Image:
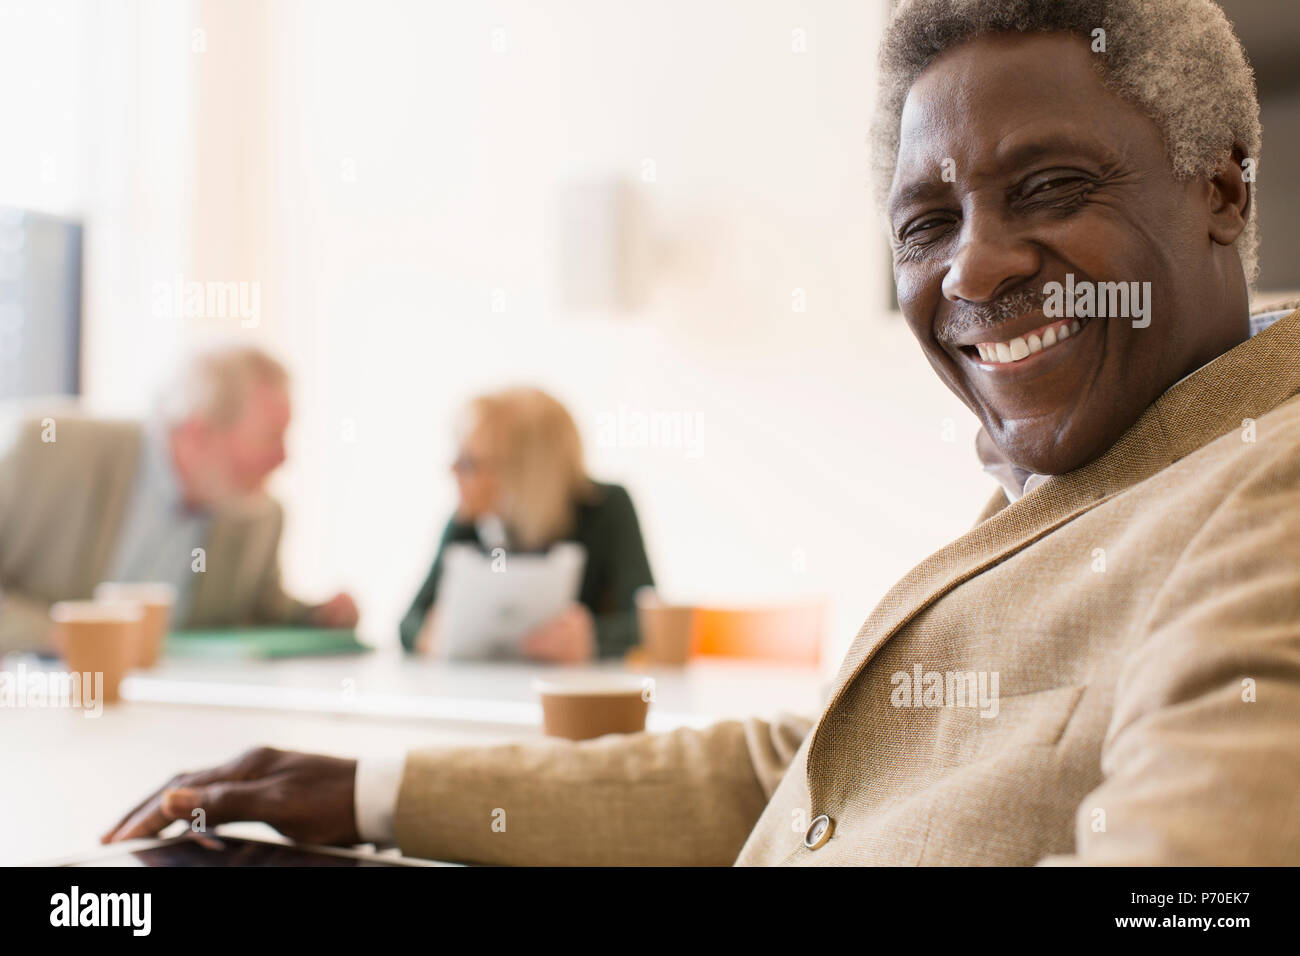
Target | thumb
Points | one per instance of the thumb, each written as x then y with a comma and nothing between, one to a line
180,802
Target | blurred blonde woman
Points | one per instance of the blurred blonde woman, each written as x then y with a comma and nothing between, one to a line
523,486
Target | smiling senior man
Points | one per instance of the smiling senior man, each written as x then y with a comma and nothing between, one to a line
1131,594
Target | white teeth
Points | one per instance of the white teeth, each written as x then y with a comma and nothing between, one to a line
999,353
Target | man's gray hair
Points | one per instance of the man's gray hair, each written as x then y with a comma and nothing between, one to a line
214,385
1176,60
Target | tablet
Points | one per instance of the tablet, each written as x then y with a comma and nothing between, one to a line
217,850
487,603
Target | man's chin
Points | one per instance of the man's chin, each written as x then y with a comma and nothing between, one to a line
1049,448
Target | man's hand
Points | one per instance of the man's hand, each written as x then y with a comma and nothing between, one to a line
338,611
306,797
567,638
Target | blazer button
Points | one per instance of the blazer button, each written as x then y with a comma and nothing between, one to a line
819,832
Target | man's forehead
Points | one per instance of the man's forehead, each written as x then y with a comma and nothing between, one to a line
1001,99
1029,63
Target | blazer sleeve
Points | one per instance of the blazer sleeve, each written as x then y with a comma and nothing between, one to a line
627,570
12,468
1201,761
24,618
274,605
688,797
24,622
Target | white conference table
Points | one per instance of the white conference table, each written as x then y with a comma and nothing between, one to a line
68,777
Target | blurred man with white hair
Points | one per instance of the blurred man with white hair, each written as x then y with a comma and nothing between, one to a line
178,499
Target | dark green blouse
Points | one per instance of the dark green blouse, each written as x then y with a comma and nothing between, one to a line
617,565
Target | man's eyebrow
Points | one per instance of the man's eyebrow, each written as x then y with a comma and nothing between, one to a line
919,190
1040,147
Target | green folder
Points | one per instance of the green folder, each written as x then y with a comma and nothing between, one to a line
263,643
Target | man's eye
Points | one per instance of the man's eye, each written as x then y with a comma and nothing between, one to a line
924,225
1057,185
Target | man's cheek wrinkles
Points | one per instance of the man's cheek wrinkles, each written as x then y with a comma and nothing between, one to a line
912,285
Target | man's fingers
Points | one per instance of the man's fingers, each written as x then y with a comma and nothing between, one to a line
221,802
145,821
176,781
148,813
112,831
173,802
146,806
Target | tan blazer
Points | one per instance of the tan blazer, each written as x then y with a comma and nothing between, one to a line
1142,615
62,505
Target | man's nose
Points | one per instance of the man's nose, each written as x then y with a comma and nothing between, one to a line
991,258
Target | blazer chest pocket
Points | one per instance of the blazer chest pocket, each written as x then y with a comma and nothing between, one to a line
1038,719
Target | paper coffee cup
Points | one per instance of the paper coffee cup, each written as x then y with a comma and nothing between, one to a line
99,637
157,599
666,629
587,706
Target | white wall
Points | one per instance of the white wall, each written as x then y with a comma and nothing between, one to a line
414,171
98,114
42,67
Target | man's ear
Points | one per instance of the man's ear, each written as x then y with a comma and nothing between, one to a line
1230,197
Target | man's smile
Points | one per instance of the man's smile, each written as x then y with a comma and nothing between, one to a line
1007,352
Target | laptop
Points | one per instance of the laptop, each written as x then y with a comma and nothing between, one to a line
488,603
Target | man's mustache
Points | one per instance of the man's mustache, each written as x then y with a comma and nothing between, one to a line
966,316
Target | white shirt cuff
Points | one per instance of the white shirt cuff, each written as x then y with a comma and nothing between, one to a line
375,797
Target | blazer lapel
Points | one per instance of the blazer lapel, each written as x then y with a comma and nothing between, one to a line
1259,374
